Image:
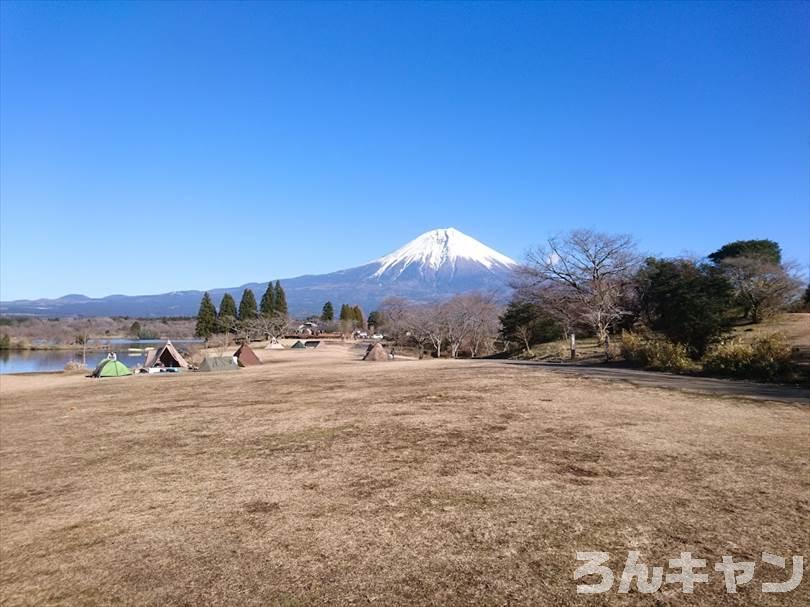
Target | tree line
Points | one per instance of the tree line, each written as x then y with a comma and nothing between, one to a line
600,284
270,316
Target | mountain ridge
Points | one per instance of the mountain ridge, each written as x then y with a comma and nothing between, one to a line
435,265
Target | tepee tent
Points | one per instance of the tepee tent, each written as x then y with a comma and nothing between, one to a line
245,356
274,345
376,353
167,356
111,368
299,345
219,363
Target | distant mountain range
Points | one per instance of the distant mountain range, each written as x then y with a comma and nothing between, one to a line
436,265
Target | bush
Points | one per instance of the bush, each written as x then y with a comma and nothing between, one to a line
767,358
656,353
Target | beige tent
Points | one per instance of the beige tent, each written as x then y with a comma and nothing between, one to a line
167,356
274,345
376,353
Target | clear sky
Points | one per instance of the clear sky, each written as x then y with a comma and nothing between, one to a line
151,147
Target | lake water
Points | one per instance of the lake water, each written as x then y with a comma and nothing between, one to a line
34,361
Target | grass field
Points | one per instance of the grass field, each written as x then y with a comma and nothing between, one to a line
319,479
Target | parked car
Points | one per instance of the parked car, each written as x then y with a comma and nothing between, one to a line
378,336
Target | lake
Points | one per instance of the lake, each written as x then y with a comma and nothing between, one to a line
37,361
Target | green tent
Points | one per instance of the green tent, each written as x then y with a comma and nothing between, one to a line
223,363
111,368
297,345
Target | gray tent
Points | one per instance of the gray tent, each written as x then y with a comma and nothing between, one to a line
219,363
299,345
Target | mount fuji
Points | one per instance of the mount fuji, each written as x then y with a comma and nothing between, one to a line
433,266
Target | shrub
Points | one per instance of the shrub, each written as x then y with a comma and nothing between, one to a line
766,358
656,353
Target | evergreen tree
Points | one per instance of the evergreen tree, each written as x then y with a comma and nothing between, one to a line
227,307
247,306
206,319
268,305
375,319
764,250
328,312
280,299
689,303
345,312
357,316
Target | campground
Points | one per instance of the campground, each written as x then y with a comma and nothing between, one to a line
317,478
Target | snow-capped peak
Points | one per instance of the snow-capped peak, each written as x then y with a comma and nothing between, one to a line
437,248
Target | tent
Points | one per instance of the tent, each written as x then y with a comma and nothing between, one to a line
245,356
274,345
299,345
111,368
312,343
219,363
376,353
167,356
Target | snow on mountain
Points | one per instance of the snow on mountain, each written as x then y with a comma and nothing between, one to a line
441,248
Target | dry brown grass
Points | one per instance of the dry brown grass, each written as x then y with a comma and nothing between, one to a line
319,479
795,327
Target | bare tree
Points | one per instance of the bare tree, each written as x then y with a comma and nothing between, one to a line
472,322
269,326
406,321
583,276
762,287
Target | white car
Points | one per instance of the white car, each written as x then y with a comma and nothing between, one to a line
377,336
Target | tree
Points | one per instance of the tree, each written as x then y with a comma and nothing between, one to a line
328,312
357,316
584,275
227,312
135,327
406,322
528,323
689,303
271,326
764,250
761,286
374,320
280,299
206,318
247,306
268,304
346,313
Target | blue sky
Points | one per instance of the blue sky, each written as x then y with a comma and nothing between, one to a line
271,140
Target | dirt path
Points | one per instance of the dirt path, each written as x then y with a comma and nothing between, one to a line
698,385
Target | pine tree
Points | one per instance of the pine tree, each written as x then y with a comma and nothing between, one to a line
328,312
357,316
345,312
268,304
280,299
247,306
206,318
227,310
